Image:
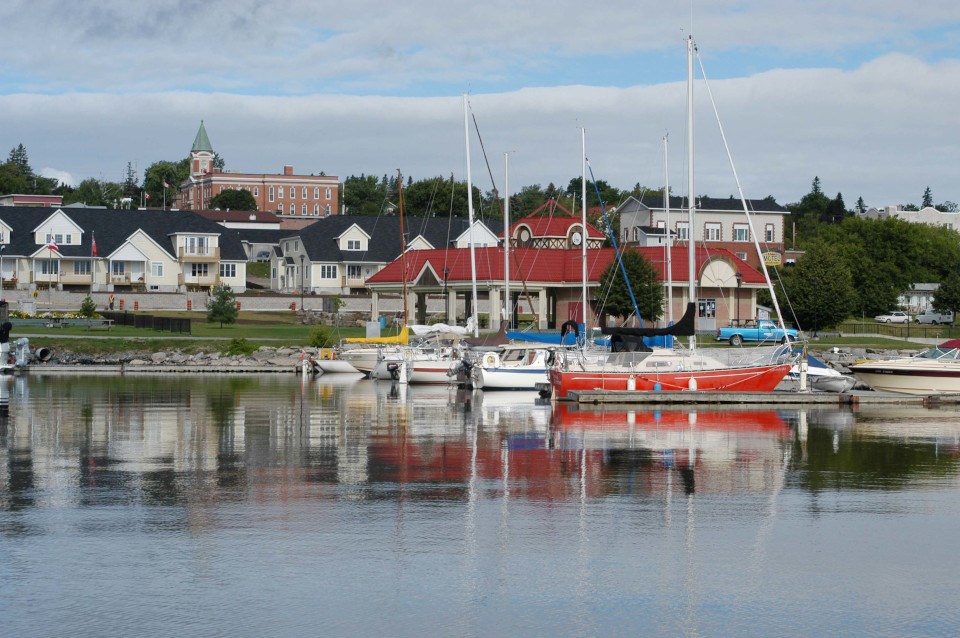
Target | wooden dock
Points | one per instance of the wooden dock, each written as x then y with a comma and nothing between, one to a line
864,397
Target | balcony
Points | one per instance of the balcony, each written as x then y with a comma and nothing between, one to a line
199,254
199,281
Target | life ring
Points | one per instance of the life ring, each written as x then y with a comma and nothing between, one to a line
490,360
569,326
326,354
408,355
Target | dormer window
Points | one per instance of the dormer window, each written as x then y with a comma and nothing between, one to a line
353,244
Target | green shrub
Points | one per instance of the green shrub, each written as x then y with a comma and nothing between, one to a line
88,307
240,347
321,337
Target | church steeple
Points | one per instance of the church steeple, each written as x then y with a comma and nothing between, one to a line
201,155
202,142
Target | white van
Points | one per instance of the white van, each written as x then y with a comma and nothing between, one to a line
932,316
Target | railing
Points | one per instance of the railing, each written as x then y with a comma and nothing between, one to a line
199,253
149,322
897,330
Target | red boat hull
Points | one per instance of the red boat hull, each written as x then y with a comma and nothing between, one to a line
752,379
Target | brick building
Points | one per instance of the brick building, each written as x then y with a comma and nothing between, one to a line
286,194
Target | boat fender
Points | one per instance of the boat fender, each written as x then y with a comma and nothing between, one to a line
551,356
490,360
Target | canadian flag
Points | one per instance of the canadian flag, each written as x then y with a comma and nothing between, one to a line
147,195
53,245
93,245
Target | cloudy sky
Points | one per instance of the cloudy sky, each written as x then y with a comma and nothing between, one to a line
864,94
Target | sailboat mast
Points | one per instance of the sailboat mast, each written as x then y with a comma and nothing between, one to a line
583,213
403,247
691,196
473,253
507,302
666,208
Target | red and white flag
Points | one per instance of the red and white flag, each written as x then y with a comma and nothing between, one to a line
166,185
52,245
147,195
93,246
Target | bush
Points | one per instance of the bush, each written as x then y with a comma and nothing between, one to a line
321,337
240,347
88,308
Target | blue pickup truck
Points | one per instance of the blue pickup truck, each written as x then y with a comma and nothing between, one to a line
764,330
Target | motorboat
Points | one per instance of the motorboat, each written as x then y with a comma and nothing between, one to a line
820,377
517,366
933,371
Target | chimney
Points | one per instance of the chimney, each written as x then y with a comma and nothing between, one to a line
288,170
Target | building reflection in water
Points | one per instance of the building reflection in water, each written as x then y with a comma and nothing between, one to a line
197,440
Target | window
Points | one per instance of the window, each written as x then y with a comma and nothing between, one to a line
741,232
636,234
354,272
326,210
742,256
228,270
327,194
768,234
303,209
256,191
199,270
626,234
50,266
68,239
711,231
328,271
270,194
59,238
81,267
118,268
156,269
661,224
279,192
303,192
353,244
316,192
198,245
296,245
683,231
316,209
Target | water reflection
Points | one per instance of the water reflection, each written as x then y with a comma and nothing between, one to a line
375,508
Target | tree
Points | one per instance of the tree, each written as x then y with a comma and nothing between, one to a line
165,172
222,305
613,296
819,288
234,199
927,200
947,297
861,207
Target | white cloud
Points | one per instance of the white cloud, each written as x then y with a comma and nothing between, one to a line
61,176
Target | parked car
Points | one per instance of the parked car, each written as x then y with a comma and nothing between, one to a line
896,316
934,317
262,256
765,330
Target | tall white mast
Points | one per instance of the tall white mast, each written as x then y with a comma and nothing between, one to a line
666,208
507,302
473,253
583,213
691,196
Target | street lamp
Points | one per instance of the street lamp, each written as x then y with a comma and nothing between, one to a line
301,281
739,276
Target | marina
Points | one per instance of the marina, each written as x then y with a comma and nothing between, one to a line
280,504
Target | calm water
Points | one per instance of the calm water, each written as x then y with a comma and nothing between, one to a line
236,506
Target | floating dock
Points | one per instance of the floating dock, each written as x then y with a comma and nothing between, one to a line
858,397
